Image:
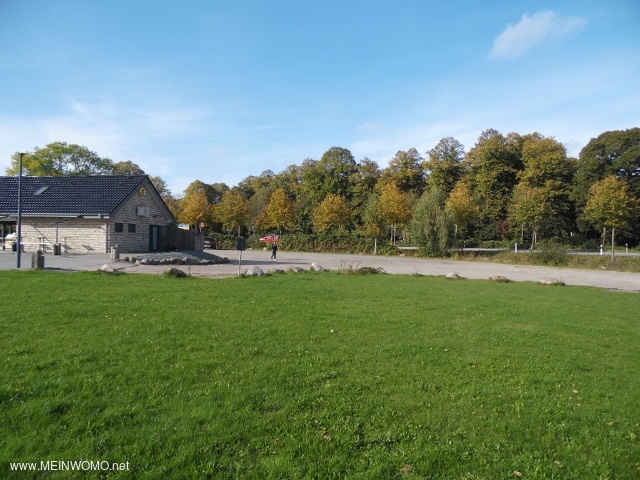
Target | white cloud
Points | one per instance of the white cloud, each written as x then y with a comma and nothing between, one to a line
531,31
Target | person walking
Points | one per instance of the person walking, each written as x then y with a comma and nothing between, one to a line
274,249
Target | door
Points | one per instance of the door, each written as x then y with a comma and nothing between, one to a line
154,231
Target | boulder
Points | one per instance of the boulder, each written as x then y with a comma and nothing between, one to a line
254,271
296,269
453,276
106,268
550,281
499,279
316,268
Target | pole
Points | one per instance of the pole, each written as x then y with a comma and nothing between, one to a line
19,233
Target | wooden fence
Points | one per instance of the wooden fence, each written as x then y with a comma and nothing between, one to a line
177,239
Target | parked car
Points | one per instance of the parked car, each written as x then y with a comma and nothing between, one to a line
270,238
209,242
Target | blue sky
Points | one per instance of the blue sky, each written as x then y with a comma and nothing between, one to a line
219,90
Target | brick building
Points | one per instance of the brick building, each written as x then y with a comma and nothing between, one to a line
87,213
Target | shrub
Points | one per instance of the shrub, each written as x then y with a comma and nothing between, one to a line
551,253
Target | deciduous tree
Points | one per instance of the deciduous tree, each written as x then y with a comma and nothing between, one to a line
529,208
444,166
610,153
493,165
406,171
548,175
396,208
374,224
280,212
333,212
233,211
462,207
196,209
610,204
60,158
431,226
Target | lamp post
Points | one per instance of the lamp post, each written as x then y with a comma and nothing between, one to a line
19,233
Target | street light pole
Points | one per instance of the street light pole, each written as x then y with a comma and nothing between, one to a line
19,233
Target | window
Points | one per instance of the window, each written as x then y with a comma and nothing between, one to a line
132,228
118,227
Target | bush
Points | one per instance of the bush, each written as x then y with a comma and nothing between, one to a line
551,253
319,242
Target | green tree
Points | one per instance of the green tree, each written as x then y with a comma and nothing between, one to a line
364,183
127,168
405,170
611,153
338,165
610,204
529,208
493,165
332,174
444,166
233,211
548,175
333,212
60,158
374,224
213,192
431,226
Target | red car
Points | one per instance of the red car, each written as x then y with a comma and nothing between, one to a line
270,238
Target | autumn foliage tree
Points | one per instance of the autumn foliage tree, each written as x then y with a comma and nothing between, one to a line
196,209
395,206
233,211
462,207
280,212
333,212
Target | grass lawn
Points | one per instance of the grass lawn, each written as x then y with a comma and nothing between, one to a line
318,375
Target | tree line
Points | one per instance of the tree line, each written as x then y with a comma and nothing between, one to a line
505,188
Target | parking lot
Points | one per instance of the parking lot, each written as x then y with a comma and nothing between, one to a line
622,281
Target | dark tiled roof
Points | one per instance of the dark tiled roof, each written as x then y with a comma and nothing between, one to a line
67,195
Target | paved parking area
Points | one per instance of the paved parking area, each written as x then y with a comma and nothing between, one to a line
622,281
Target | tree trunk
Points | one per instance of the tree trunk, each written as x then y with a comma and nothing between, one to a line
613,242
533,240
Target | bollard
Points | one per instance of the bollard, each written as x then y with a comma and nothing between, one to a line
37,260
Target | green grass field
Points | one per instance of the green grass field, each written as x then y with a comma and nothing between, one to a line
318,375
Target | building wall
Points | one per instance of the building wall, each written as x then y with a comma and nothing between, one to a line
88,235
75,235
127,215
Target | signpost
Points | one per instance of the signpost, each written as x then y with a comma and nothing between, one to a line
241,244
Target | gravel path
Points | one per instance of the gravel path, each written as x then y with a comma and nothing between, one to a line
621,281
